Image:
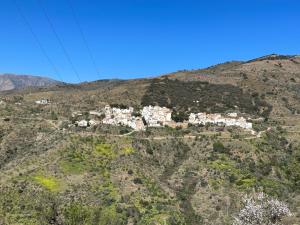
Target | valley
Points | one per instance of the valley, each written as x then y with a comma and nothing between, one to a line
173,149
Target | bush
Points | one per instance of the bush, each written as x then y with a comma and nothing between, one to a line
77,214
219,147
179,116
54,116
261,209
121,106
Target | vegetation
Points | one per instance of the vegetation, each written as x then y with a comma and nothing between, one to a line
180,116
219,147
262,210
197,96
48,182
54,173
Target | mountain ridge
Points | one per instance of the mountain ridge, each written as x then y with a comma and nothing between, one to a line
10,81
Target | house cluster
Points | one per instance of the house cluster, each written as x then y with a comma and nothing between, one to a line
230,120
85,123
155,116
117,116
152,116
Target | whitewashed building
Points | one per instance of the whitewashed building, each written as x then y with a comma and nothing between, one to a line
218,119
95,113
82,123
117,116
42,101
156,116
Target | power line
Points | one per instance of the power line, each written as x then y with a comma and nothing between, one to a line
43,50
59,40
83,37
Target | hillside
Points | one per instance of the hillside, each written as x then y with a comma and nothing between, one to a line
274,78
15,82
54,171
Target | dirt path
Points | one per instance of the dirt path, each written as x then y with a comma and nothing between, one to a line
88,133
51,122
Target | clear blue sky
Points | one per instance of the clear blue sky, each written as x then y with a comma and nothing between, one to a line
140,38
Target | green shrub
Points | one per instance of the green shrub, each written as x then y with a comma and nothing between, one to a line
219,147
77,214
50,183
179,116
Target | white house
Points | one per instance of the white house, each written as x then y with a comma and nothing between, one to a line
203,118
42,101
156,116
82,123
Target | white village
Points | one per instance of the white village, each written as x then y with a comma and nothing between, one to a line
156,116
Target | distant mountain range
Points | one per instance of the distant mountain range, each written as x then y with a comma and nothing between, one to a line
15,82
254,74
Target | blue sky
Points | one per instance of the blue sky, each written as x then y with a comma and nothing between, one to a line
141,38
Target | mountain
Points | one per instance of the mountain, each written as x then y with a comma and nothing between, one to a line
53,171
16,82
234,71
275,78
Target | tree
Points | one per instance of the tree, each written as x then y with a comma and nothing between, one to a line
54,116
219,147
180,116
261,209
